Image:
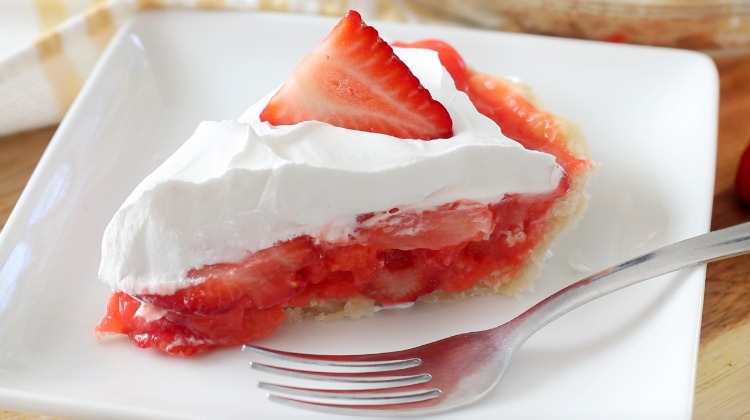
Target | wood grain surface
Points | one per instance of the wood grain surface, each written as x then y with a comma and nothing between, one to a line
722,388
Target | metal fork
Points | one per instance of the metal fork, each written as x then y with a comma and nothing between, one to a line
459,370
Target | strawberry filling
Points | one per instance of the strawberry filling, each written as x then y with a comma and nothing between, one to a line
398,259
390,257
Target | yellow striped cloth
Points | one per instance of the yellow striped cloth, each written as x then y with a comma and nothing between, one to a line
48,47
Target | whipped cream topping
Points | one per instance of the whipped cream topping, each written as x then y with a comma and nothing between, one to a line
237,187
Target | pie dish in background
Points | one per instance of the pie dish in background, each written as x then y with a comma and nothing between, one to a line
718,27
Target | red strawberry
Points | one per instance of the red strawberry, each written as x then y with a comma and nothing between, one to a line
400,286
616,37
742,179
520,120
353,80
267,278
187,334
435,228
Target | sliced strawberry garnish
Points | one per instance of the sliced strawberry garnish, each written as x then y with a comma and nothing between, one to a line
449,57
354,80
266,278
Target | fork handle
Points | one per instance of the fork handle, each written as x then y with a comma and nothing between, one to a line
712,246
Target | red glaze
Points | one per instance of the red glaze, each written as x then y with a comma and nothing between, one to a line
742,179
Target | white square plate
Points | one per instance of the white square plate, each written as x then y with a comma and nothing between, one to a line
650,116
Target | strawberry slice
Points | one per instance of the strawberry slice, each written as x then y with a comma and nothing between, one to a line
435,228
266,278
354,80
400,286
742,178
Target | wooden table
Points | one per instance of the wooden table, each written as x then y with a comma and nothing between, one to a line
723,379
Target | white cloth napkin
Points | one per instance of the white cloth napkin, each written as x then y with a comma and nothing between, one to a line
49,47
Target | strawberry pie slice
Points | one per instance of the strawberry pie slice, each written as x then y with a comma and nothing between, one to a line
375,176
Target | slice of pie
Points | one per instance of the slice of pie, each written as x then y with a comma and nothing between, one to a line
372,178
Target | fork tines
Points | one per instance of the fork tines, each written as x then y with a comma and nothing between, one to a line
333,383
